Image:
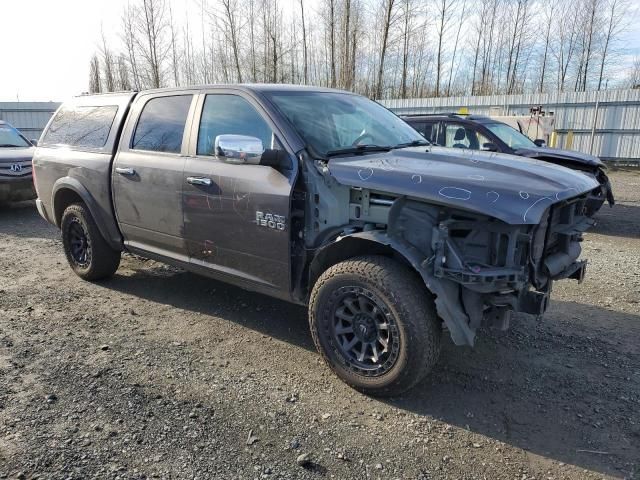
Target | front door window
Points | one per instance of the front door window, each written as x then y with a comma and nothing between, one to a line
458,135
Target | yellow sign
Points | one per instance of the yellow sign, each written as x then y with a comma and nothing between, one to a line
569,141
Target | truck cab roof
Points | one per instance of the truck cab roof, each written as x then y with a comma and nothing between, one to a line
252,87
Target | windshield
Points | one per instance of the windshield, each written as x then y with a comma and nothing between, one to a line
9,137
334,123
510,136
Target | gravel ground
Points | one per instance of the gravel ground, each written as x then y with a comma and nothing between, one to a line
160,373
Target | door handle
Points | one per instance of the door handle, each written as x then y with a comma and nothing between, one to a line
199,181
125,171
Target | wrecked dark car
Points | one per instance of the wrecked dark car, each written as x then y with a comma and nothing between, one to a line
318,197
477,132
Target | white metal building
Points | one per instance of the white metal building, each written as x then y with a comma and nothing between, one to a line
28,117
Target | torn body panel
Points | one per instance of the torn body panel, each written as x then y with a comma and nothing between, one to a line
479,268
589,164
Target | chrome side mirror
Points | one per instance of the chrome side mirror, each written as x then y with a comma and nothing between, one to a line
239,149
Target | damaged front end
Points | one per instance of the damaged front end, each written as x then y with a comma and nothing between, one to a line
482,269
488,233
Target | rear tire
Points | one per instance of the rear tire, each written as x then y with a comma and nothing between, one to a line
375,324
88,254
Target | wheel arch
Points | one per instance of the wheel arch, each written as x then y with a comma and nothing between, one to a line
68,190
354,245
445,292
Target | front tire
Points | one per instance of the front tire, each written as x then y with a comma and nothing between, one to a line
88,254
375,324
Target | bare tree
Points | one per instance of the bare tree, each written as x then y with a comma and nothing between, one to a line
548,21
515,43
230,27
593,7
389,20
633,76
304,45
124,82
565,45
617,11
130,43
346,40
489,54
380,48
152,43
108,66
455,45
407,23
355,37
332,40
188,64
173,40
94,75
443,9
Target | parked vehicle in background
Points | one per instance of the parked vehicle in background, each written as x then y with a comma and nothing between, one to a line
16,152
318,197
477,132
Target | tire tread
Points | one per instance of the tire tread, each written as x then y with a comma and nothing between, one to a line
104,259
410,299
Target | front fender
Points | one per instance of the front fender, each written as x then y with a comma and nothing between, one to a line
445,291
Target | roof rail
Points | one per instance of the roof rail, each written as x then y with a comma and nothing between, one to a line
470,116
115,92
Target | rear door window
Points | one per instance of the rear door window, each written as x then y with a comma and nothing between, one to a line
81,126
161,124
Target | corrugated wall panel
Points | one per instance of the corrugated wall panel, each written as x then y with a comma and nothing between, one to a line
28,117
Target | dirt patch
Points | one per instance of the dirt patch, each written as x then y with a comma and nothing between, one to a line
160,373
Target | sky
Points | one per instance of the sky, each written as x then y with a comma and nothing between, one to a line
47,44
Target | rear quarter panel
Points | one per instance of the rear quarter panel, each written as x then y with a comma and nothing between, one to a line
86,171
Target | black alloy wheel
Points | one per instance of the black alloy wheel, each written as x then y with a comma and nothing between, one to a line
375,324
365,331
80,247
87,252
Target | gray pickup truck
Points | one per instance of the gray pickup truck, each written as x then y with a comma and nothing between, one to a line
319,197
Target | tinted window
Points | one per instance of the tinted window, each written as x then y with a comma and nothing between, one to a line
84,127
510,136
230,114
161,124
334,121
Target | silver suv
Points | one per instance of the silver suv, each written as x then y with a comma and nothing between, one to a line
16,152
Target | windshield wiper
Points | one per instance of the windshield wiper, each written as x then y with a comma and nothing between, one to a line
414,143
359,149
8,145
